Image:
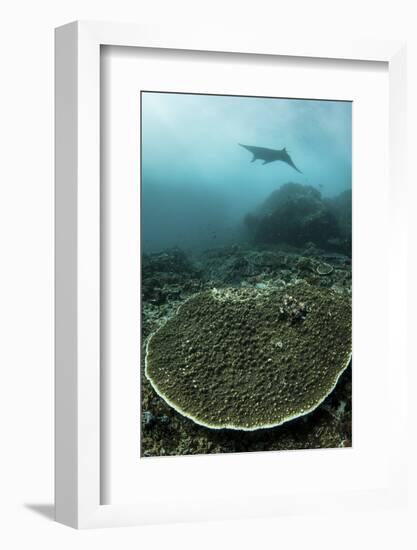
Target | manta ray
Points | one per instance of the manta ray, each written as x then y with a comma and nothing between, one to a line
270,155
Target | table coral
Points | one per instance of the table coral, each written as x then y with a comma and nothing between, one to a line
247,359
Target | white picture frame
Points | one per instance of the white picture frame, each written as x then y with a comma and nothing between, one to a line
78,405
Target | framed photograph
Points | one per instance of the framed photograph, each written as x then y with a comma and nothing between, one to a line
229,325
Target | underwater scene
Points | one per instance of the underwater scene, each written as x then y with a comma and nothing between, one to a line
246,274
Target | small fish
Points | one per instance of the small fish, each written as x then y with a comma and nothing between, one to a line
270,155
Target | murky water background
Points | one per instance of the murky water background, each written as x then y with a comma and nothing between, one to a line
198,183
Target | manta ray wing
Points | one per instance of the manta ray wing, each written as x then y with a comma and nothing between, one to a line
258,152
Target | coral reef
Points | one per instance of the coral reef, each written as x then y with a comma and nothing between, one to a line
251,358
167,432
297,214
165,275
324,268
341,208
328,426
250,266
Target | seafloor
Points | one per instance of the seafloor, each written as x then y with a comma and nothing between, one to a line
170,277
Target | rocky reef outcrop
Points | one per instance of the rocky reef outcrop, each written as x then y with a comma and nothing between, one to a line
341,208
296,214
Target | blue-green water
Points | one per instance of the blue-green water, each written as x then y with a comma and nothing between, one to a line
198,183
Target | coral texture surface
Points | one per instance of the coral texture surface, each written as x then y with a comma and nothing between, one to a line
251,358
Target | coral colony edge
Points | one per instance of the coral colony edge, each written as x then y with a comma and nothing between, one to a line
246,235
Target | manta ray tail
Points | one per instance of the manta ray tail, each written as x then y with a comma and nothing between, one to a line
289,161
